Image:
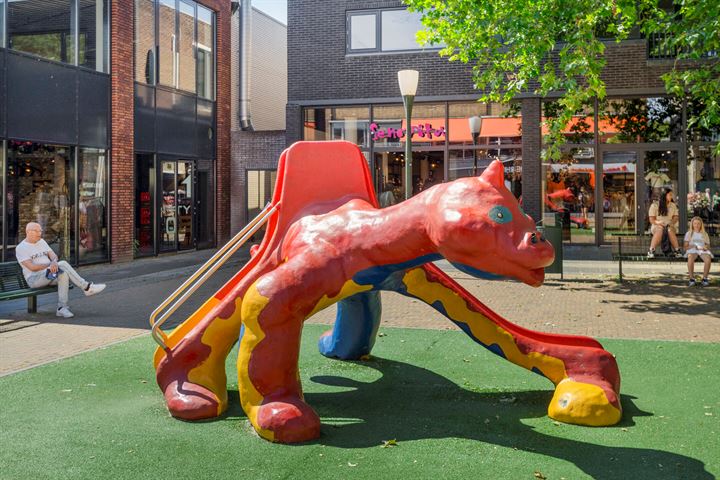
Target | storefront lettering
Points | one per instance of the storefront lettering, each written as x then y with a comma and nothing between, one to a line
423,131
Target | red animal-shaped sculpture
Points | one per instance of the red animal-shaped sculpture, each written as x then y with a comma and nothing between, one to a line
565,195
331,244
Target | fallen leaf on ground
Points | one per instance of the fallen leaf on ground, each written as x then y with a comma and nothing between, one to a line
389,443
540,476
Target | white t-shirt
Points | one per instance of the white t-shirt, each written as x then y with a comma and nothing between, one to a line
657,180
38,252
697,240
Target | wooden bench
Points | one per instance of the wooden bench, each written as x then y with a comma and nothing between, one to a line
13,285
634,248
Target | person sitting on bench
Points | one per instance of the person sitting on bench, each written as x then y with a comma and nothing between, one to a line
41,268
664,217
697,244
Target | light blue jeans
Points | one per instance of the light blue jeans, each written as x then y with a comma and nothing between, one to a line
39,280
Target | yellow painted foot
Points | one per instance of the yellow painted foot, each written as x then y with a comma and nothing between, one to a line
582,404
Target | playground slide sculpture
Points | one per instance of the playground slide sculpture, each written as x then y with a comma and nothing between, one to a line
330,248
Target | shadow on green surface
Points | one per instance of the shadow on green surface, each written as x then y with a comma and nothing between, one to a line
410,403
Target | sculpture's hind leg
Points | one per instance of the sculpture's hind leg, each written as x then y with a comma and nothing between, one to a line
586,376
191,374
356,325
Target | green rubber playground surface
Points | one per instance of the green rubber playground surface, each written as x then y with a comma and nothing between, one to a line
453,409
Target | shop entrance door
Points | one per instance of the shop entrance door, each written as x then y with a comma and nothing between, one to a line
177,209
619,187
205,204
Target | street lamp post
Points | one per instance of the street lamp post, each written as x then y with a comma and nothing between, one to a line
408,80
475,123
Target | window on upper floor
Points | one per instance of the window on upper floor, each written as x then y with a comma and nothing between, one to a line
145,41
205,53
67,31
386,30
182,53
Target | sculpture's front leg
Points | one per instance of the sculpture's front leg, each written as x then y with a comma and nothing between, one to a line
268,377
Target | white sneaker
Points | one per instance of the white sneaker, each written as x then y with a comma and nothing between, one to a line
94,288
64,312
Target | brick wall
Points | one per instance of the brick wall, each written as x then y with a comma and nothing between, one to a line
293,124
122,131
532,168
318,67
251,150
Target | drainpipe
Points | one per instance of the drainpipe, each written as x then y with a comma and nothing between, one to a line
245,45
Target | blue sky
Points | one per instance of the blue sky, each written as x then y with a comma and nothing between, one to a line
274,8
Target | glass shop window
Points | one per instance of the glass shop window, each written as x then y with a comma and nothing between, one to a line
42,28
386,30
186,48
92,204
145,41
167,42
40,189
205,53
2,23
93,34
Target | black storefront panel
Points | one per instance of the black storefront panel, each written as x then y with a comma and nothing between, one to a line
176,130
205,128
41,100
93,106
144,118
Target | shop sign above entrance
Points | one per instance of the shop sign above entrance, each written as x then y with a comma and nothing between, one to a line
423,130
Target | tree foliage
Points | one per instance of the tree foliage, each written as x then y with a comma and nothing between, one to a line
557,46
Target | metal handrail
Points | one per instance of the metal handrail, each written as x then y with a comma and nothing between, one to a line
198,278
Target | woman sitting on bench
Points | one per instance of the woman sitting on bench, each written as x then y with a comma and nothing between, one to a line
664,215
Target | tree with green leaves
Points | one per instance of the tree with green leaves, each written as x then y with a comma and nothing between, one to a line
556,46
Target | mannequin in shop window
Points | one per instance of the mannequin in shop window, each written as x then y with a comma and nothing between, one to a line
656,180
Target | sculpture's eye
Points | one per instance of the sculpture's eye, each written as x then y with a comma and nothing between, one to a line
500,214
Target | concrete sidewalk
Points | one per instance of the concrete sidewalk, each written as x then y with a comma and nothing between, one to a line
653,303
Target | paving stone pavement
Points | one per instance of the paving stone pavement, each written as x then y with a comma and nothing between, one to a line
653,303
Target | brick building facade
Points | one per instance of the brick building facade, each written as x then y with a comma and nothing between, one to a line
342,83
94,125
